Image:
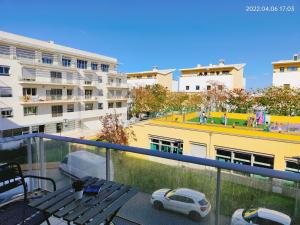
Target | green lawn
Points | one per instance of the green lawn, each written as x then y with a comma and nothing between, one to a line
230,122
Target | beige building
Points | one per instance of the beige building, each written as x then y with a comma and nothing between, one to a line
201,78
151,77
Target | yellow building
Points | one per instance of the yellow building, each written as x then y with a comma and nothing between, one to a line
201,78
155,76
237,145
287,72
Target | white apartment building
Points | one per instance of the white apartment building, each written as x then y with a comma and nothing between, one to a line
151,77
46,87
287,72
201,78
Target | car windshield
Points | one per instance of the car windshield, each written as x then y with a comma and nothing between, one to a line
203,202
248,214
170,193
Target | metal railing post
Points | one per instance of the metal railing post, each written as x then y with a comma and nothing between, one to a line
29,161
107,151
218,196
42,161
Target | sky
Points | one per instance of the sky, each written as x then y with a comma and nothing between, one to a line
165,33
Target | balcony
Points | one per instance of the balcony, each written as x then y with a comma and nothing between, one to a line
48,99
47,81
88,83
227,187
117,97
90,98
116,85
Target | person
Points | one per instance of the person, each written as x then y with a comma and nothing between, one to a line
204,117
267,127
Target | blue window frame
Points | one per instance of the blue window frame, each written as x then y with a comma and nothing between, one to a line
4,70
47,59
104,67
81,64
66,62
94,66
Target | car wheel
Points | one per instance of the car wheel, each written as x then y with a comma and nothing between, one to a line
194,216
158,205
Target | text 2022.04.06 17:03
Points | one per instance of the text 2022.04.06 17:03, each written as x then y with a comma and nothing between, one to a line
272,8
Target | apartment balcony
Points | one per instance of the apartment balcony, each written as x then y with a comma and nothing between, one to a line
117,97
114,73
89,84
115,85
47,81
48,99
228,191
90,98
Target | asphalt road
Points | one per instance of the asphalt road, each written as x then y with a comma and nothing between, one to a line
139,209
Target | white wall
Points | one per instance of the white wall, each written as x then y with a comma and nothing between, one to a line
141,82
292,78
202,81
175,85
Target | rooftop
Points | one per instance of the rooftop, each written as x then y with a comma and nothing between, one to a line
50,46
155,70
216,66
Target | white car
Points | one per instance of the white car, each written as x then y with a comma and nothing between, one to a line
183,200
259,216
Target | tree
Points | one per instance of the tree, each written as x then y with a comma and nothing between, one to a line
279,100
113,131
149,99
216,96
239,100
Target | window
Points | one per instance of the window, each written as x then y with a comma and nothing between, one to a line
292,165
281,69
25,53
69,93
5,92
4,50
47,58
245,158
30,110
88,94
100,92
292,68
119,105
4,70
88,106
70,108
167,145
57,110
55,94
66,62
81,64
208,87
197,87
55,75
110,105
28,74
225,72
29,91
94,66
100,105
6,112
104,67
14,132
187,88
100,79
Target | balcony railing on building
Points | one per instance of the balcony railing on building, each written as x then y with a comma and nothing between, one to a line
227,194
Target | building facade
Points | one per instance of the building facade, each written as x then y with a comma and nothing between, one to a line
286,73
253,148
202,78
155,76
45,87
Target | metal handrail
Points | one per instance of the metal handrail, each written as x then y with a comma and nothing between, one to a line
183,158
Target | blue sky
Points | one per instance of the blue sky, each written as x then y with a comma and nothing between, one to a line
169,34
